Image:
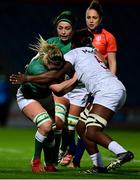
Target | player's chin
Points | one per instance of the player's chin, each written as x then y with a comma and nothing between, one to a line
66,38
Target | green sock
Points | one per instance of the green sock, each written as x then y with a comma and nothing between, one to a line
49,149
48,153
38,149
64,144
51,153
39,138
58,134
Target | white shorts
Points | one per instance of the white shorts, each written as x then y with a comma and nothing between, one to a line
112,100
77,96
21,101
47,103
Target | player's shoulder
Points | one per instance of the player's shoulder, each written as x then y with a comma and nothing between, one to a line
53,39
108,34
86,49
36,66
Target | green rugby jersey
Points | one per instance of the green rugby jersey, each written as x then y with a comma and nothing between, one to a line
34,90
63,46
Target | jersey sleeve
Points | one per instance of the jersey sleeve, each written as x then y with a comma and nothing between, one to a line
112,44
35,67
49,40
70,57
52,40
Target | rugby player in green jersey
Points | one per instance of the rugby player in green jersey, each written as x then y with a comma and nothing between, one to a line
36,100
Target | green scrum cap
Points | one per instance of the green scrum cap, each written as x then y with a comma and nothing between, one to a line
66,16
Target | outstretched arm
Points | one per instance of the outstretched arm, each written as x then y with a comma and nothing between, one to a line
44,78
48,77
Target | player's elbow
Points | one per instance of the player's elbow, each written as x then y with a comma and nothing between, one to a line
59,94
57,90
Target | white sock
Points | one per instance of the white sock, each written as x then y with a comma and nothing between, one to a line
116,148
97,160
39,136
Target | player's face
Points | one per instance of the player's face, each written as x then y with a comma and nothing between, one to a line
92,19
64,30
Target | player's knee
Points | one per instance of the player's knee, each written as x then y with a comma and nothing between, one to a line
43,121
59,124
94,126
93,133
72,121
46,127
60,112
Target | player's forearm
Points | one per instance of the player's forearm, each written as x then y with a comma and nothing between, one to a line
41,78
45,78
112,62
64,87
50,76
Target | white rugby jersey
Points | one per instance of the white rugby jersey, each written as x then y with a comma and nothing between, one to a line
91,71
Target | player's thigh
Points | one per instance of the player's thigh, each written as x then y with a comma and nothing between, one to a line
75,110
33,109
61,100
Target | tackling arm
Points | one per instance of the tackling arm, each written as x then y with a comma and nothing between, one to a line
48,77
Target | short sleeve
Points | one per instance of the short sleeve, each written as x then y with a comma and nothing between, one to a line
112,45
71,56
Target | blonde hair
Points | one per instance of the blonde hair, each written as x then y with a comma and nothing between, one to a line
47,52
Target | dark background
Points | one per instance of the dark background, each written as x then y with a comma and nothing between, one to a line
21,22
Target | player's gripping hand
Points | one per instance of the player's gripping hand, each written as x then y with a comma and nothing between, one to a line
18,78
